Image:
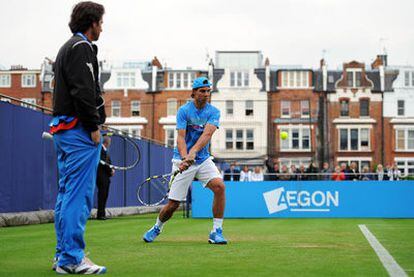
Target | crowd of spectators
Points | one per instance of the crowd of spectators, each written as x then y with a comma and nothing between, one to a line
341,172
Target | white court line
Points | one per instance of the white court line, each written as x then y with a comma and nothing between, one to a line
393,268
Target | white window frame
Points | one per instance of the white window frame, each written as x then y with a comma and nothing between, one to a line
229,107
407,78
287,145
234,139
30,101
5,80
354,71
135,107
28,80
248,108
294,161
172,107
400,108
303,107
405,130
239,79
129,129
4,99
168,130
180,80
360,148
249,140
405,168
289,106
229,139
360,160
125,79
116,106
296,79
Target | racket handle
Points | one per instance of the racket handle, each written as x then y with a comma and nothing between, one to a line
47,135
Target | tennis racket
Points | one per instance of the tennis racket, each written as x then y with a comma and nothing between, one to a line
49,136
154,190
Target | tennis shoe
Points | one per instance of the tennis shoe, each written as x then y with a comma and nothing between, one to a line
86,267
151,234
216,237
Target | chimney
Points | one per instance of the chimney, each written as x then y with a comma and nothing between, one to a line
156,62
381,60
267,74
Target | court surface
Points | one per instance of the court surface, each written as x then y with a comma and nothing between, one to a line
257,247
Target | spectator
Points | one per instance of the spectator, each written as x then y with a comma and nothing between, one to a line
380,175
272,166
327,172
257,175
353,174
394,174
284,174
245,174
232,173
302,173
312,172
294,173
339,174
365,175
103,178
274,176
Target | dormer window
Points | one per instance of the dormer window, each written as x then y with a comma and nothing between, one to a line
354,77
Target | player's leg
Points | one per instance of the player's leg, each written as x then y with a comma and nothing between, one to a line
82,157
178,193
209,175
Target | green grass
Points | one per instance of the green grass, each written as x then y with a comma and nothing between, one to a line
258,247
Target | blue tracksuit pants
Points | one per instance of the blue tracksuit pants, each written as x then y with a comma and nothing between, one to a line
78,158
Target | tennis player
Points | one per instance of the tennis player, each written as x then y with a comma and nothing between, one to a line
78,111
196,123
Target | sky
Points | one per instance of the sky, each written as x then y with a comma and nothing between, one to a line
182,33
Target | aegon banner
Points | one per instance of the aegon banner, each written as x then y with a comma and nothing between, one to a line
385,199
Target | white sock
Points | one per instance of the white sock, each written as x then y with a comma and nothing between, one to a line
159,223
217,223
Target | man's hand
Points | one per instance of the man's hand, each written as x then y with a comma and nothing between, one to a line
96,136
184,165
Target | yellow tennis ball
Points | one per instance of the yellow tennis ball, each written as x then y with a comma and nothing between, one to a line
283,135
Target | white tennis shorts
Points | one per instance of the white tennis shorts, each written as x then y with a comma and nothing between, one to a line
204,172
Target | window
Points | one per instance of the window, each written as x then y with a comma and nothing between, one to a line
285,108
229,107
364,107
135,108
353,78
239,79
185,80
171,80
125,79
249,139
135,132
232,79
407,78
5,80
28,80
192,77
229,139
116,108
295,79
343,139
246,79
178,80
304,107
30,101
412,78
171,107
401,107
239,139
361,163
358,77
406,166
249,107
344,107
404,139
298,139
354,139
170,137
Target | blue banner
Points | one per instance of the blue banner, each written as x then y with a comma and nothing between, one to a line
385,199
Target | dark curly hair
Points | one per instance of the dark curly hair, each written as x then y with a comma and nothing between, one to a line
84,14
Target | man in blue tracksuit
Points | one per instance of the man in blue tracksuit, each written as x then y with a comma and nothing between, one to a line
78,111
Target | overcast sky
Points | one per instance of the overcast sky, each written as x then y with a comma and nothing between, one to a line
182,32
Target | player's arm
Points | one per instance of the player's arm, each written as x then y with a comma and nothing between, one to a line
181,145
202,141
